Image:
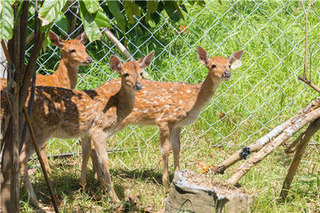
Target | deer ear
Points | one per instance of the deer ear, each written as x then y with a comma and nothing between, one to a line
145,61
55,39
235,59
202,55
115,64
82,37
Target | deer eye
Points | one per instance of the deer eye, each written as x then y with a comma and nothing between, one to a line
126,74
72,51
213,66
141,74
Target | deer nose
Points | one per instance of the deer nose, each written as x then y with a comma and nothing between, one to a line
227,74
138,86
89,60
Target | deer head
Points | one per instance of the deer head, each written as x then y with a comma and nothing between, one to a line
131,72
219,67
74,50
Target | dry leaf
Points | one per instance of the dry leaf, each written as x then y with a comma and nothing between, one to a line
221,115
183,28
205,167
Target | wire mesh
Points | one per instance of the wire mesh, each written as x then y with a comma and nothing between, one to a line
262,93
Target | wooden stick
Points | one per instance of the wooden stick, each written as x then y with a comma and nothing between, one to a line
267,138
266,150
306,13
35,144
304,79
6,53
122,48
312,85
119,45
292,146
305,138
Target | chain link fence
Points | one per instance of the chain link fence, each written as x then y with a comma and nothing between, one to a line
261,94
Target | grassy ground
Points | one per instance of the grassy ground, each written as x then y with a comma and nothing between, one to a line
138,174
261,94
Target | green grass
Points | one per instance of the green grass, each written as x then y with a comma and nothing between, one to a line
262,93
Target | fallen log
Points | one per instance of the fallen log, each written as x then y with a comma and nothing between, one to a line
292,128
191,192
259,144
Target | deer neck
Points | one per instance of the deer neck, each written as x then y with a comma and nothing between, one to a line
125,101
207,90
67,74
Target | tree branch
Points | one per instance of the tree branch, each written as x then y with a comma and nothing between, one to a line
312,85
119,45
263,141
276,142
304,139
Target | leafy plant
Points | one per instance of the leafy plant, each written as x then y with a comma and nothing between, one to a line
6,19
95,16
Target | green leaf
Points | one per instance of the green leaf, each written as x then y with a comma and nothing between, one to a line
169,8
128,10
202,3
91,5
172,7
6,20
135,9
46,41
90,26
152,7
101,19
63,24
50,11
131,9
115,10
31,10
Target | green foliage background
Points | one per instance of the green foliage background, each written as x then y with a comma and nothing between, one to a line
261,94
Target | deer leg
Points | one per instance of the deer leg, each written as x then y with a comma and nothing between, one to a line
99,144
165,151
175,142
44,156
95,164
86,151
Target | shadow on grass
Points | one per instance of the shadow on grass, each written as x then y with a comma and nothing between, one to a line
143,175
66,185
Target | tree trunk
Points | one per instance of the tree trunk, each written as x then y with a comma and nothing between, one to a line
191,192
10,163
